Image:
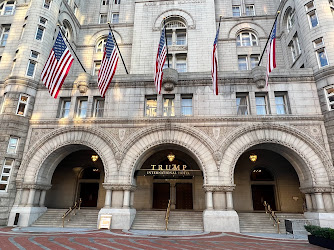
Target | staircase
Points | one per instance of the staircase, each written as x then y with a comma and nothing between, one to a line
84,218
178,220
260,222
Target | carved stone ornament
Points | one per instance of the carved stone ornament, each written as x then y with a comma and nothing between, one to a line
217,156
259,76
119,187
82,82
35,186
170,78
312,190
216,188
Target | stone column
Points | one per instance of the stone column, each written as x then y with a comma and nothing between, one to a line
172,195
229,200
31,197
18,196
24,197
209,200
42,198
309,206
132,198
107,202
320,202
126,199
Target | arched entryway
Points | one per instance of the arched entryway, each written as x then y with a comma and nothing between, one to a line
78,176
262,175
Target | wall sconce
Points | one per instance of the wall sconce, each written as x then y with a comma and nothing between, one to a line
94,158
253,157
171,156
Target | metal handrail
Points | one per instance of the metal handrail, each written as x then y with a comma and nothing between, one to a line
77,205
272,215
167,214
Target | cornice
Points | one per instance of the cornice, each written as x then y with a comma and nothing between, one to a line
218,188
323,73
311,190
104,25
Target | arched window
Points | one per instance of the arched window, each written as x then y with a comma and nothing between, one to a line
7,8
101,44
176,32
68,30
261,174
290,20
246,38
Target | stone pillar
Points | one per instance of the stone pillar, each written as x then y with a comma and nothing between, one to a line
24,197
18,197
209,200
309,206
42,198
172,195
132,198
31,197
320,202
229,200
126,199
107,202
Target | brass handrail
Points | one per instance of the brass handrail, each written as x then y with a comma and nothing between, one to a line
272,215
76,206
167,214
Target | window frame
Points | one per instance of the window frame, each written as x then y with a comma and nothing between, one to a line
47,5
246,96
113,18
79,109
97,110
26,103
40,27
31,62
247,12
248,61
310,20
239,39
96,68
3,173
168,111
266,103
290,21
10,149
284,95
185,107
100,18
149,110
63,109
318,57
328,95
4,33
234,7
4,5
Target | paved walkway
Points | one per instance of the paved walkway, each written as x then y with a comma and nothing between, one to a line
67,238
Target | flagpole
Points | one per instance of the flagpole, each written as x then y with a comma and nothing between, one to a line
220,19
71,47
118,48
268,38
166,41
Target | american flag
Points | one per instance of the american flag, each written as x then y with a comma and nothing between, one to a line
108,65
214,66
160,62
271,53
57,66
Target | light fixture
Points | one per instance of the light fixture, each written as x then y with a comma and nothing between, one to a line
253,157
94,158
171,156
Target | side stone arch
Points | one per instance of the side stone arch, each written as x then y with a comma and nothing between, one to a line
288,5
43,157
310,160
65,17
197,144
104,33
176,13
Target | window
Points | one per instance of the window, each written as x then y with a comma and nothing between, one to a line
42,20
105,2
4,35
247,62
250,10
103,18
12,145
117,1
290,20
115,18
169,109
322,57
101,44
236,10
31,68
176,32
7,8
3,103
47,4
5,174
295,47
181,38
329,92
39,33
242,104
318,43
309,6
246,39
281,103
261,104
34,54
65,104
22,106
97,66
98,108
151,106
82,108
186,105
181,63
313,19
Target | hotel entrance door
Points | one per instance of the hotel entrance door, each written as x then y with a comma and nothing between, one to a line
161,195
184,196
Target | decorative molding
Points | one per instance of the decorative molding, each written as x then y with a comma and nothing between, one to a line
119,187
218,188
35,186
311,190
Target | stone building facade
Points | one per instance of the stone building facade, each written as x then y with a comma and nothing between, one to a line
46,143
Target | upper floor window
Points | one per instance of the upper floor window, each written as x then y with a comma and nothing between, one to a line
186,105
117,1
151,106
12,145
65,104
4,34
97,66
98,108
47,4
309,6
7,8
329,92
22,105
247,62
318,43
250,10
81,111
39,33
169,109
313,19
105,2
101,44
236,10
68,31
294,46
290,20
242,104
261,104
322,57
177,61
246,39
5,174
176,32
103,18
115,18
281,103
31,68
